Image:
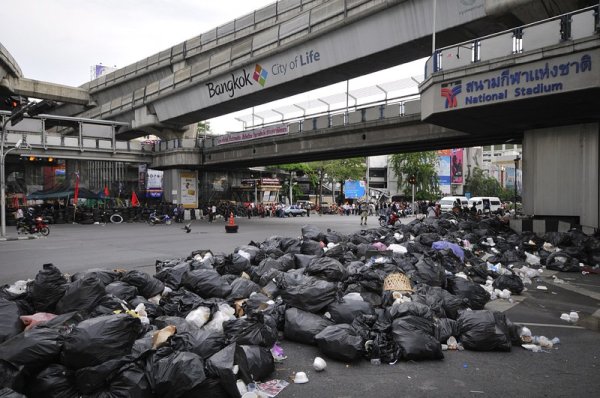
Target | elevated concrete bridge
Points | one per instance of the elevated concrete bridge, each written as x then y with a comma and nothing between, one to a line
288,47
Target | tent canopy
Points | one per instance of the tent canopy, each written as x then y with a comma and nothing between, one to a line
63,190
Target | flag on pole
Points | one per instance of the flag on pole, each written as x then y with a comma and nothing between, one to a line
76,196
106,192
134,199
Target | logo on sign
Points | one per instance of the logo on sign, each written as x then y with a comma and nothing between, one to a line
450,91
260,75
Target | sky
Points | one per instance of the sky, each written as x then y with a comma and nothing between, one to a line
58,41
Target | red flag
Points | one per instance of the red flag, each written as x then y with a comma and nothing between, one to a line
106,193
76,196
134,199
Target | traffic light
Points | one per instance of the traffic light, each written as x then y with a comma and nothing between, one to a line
17,111
412,180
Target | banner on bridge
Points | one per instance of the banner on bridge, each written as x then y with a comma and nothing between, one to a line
264,132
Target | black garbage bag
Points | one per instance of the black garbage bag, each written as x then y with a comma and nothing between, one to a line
201,342
414,323
107,305
9,393
93,378
82,295
96,340
234,264
143,344
34,349
255,329
305,292
105,276
122,290
251,251
171,276
220,366
147,285
432,297
303,326
242,288
415,345
511,282
290,245
181,302
206,283
172,373
557,239
476,296
484,331
302,260
311,247
346,310
428,271
311,232
56,381
210,387
12,376
47,288
326,268
10,323
427,239
129,381
399,310
444,328
256,363
560,261
453,304
338,252
340,342
269,264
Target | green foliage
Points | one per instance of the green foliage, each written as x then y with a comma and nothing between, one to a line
202,128
422,165
481,184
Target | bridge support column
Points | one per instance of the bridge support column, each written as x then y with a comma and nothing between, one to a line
180,186
561,177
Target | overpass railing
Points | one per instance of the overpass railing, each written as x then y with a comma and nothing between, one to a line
392,108
567,27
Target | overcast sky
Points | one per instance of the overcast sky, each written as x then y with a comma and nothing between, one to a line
59,40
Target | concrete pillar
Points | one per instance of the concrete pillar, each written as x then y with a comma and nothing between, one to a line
561,175
181,187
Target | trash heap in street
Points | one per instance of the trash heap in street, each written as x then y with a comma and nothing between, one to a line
209,324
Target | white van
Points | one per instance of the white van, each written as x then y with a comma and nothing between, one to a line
481,202
447,202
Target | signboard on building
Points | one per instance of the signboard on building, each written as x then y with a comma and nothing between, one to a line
443,171
154,187
456,166
242,136
189,189
99,70
354,189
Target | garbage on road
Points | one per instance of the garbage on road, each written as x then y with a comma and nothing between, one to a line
215,324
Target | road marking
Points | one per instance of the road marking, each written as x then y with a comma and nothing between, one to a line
550,325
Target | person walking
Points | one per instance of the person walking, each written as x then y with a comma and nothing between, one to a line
363,208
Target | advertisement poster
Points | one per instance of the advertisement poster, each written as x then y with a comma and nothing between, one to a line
457,166
189,191
354,189
154,184
142,177
444,174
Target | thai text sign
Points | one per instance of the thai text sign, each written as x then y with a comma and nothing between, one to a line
264,132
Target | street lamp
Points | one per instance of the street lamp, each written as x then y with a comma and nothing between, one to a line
517,159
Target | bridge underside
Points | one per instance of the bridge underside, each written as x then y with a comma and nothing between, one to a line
394,135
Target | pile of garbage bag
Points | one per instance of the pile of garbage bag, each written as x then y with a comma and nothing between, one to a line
206,321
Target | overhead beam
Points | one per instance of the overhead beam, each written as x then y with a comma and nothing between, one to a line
45,90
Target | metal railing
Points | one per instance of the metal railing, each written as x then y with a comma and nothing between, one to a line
567,27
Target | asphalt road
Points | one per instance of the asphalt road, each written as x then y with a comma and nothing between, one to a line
570,370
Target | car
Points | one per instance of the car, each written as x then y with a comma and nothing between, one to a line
447,202
294,211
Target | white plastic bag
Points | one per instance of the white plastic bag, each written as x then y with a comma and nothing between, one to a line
225,313
198,317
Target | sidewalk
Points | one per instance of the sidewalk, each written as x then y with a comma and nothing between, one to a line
18,237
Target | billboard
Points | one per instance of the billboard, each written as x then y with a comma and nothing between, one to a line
354,189
154,184
443,172
456,166
99,70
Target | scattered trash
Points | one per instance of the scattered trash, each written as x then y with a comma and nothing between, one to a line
573,316
300,378
541,287
532,347
319,364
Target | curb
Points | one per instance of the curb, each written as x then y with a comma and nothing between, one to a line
18,238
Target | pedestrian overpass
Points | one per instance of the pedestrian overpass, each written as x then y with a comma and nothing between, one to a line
285,48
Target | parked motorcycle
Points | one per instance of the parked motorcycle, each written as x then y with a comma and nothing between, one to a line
385,221
159,219
39,225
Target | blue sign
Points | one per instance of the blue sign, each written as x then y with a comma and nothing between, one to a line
354,189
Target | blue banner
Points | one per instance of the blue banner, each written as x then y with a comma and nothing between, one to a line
354,189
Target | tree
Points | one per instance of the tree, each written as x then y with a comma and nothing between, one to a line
480,184
421,165
202,128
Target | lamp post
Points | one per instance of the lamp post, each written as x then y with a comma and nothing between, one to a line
517,159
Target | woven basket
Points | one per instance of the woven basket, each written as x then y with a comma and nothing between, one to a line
397,282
